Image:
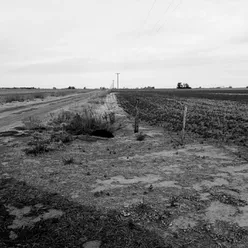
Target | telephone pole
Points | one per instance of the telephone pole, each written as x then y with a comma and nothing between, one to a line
117,79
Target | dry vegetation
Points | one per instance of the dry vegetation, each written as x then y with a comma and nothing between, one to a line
65,126
147,223
18,95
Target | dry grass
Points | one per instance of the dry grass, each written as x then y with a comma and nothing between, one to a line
8,96
65,125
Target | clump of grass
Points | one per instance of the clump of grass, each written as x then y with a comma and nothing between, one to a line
33,123
62,117
61,136
14,98
109,117
140,136
39,95
38,144
44,142
85,122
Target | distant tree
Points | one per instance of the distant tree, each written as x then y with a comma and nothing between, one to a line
186,86
84,88
182,86
54,88
230,87
179,85
71,88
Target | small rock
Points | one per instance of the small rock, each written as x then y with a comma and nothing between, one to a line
88,173
92,244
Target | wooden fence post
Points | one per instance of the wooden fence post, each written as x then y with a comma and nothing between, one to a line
136,120
184,122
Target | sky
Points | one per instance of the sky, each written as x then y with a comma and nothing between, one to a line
84,43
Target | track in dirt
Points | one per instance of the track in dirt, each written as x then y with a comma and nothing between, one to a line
13,117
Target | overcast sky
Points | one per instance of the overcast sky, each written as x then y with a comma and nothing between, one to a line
57,43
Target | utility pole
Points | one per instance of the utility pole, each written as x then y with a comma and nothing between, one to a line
117,79
113,84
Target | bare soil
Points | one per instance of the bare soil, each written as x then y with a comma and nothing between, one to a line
190,196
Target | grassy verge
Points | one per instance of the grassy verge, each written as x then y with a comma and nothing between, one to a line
65,126
20,96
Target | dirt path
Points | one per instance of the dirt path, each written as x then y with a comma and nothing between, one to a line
195,195
13,116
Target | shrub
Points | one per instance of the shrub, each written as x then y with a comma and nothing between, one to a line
39,95
76,125
61,136
63,117
38,144
33,123
87,122
14,98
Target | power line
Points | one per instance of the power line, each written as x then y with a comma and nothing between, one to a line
166,11
167,19
148,15
145,21
163,14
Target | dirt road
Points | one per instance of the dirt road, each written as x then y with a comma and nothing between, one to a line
12,116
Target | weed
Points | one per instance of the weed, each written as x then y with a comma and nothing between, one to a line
33,123
76,125
39,95
38,144
87,122
62,117
14,98
173,201
61,136
111,117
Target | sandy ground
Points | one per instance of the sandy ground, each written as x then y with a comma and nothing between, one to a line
209,183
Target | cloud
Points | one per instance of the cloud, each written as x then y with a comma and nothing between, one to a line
79,65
